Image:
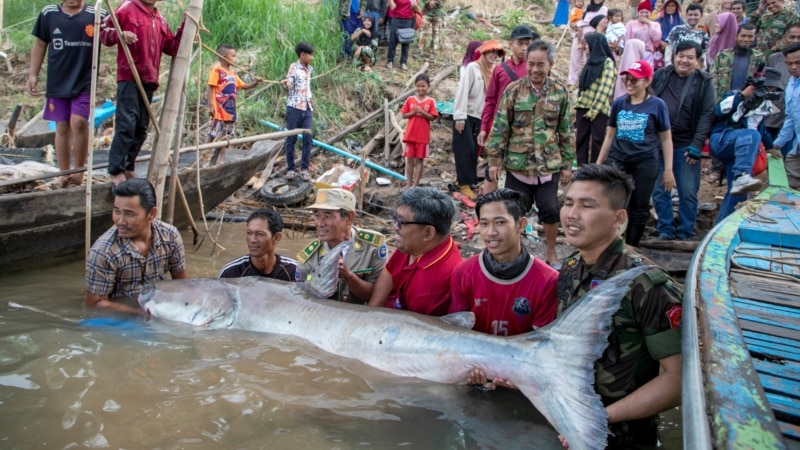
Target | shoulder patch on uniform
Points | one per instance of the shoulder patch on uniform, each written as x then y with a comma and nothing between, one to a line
310,249
571,261
383,251
370,237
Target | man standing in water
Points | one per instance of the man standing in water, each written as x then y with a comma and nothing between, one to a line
147,35
137,250
264,231
65,33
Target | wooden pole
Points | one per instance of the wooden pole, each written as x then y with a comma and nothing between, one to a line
386,126
172,97
173,178
135,72
90,151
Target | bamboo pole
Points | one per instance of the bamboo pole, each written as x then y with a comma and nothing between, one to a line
173,178
386,124
135,72
223,143
90,150
177,79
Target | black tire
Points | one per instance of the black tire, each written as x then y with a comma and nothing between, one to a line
283,192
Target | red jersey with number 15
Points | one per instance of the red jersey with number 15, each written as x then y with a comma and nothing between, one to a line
505,307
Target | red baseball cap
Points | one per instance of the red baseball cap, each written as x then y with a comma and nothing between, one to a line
639,69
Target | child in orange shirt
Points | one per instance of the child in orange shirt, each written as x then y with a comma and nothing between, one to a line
223,83
576,14
420,110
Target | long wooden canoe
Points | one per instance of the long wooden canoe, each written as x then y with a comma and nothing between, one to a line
741,329
41,229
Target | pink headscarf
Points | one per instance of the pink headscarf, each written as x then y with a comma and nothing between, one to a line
634,51
725,39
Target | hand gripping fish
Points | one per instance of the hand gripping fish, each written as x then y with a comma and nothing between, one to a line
553,366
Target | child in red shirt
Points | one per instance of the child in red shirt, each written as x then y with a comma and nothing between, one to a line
223,83
420,110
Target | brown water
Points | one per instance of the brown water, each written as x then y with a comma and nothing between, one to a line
148,384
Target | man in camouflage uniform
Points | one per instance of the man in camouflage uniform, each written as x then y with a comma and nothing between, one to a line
434,15
646,336
363,261
529,146
770,26
726,77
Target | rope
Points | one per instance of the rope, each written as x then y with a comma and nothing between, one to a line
739,252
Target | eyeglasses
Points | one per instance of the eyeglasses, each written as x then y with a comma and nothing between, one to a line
398,222
631,80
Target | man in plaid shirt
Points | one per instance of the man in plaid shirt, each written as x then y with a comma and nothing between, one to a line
689,94
136,251
299,110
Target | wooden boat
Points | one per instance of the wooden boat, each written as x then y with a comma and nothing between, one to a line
741,329
40,229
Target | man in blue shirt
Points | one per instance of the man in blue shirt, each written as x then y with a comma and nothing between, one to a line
791,126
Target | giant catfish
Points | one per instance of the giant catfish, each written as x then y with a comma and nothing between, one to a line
553,366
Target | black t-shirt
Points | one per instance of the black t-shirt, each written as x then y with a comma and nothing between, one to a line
637,128
69,49
680,119
285,269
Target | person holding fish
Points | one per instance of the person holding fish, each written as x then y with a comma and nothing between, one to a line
361,263
264,231
137,250
417,277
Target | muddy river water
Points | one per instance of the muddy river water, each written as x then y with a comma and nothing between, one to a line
148,384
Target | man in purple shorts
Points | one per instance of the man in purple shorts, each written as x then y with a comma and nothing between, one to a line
65,33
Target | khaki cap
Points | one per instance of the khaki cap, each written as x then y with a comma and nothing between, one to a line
334,199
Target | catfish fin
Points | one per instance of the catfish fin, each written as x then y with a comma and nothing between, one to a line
463,319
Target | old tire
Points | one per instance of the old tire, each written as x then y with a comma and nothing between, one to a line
283,192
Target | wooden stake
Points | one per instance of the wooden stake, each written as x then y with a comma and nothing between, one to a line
173,179
177,80
90,150
386,124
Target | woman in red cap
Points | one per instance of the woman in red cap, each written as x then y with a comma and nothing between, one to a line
638,125
645,30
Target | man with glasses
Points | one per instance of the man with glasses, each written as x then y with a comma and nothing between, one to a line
417,276
361,263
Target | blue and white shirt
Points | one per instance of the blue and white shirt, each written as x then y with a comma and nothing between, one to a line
791,125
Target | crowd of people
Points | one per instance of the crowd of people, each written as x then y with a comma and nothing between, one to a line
645,99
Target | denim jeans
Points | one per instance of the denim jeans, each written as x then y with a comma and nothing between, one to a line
737,150
687,179
644,178
298,118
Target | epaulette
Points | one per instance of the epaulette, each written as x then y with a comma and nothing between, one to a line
657,277
370,237
310,249
572,260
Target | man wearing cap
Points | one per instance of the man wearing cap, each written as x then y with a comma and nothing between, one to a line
362,262
503,74
417,277
530,140
738,130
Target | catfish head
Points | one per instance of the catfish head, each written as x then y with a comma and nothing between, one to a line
199,302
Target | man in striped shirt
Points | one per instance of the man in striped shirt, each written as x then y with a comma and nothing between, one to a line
264,231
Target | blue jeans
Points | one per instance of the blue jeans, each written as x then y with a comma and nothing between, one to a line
298,118
687,179
736,149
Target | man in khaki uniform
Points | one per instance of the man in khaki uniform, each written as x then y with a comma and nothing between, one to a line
362,262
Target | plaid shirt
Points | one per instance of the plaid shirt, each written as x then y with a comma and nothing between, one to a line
597,98
116,269
299,77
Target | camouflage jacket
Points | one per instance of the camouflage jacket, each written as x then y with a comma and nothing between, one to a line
645,329
722,70
530,132
432,8
366,257
770,30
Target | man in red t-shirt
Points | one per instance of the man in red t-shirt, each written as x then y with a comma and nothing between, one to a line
417,276
509,290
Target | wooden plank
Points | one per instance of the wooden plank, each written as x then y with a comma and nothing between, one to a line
786,389
778,292
788,408
776,321
791,431
790,371
779,311
758,325
770,352
793,344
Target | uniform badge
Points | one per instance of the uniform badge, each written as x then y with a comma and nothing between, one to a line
674,315
382,251
521,306
595,283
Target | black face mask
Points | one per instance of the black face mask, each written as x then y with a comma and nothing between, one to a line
506,271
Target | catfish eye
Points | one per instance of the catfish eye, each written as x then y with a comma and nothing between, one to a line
186,304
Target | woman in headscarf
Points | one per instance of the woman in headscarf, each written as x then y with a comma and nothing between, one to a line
724,38
467,109
634,51
594,97
469,56
645,30
668,18
577,54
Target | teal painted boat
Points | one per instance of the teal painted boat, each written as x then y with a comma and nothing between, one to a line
741,329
